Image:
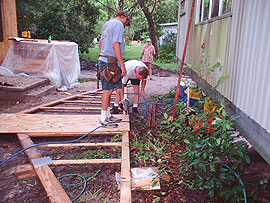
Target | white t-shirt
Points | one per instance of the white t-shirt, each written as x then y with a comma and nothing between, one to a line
130,66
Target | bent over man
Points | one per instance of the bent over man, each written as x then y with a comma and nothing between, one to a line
137,71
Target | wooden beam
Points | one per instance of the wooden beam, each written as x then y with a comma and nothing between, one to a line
71,134
82,102
25,171
59,101
125,188
94,96
78,145
53,189
86,161
71,108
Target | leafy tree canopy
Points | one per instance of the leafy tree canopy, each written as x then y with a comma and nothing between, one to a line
72,20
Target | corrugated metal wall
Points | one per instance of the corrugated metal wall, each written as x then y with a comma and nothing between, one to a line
241,43
250,58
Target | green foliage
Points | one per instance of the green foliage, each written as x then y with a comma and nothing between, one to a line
168,48
207,154
72,20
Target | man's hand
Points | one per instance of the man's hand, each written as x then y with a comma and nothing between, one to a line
143,94
124,71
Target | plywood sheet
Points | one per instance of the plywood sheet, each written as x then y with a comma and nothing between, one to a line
41,123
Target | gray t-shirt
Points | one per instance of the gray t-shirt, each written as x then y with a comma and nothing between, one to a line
112,31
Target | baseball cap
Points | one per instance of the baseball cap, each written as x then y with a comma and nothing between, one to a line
124,13
148,40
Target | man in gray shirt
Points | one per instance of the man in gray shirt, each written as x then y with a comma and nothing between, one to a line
111,47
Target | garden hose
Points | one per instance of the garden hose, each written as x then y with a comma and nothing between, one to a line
241,182
83,181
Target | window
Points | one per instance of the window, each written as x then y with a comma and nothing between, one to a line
182,8
212,8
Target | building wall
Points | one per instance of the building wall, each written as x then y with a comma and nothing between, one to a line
240,42
9,25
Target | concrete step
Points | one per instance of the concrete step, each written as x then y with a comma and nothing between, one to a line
39,92
21,85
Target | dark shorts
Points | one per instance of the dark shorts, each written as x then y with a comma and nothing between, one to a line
109,85
147,63
133,82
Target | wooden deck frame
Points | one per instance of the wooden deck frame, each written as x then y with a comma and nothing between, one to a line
43,125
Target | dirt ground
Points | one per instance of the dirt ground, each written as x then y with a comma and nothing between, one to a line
102,187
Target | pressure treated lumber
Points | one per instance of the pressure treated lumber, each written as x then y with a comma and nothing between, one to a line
78,145
53,189
25,171
125,188
47,123
93,96
82,102
86,161
71,108
59,101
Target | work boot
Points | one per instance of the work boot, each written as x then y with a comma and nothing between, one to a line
135,111
108,124
121,106
115,110
113,119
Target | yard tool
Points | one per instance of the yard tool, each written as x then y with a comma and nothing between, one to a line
98,75
5,84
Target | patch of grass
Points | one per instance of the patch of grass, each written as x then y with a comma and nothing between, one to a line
81,80
169,66
132,52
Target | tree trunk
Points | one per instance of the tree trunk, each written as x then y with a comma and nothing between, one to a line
151,26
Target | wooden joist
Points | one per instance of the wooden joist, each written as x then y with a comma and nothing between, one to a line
86,161
81,102
78,145
125,188
71,108
59,101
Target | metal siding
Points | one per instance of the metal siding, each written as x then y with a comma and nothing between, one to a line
242,44
251,60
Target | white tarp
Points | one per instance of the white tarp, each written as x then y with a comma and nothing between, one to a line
58,61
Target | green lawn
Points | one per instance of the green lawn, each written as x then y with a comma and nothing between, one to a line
130,53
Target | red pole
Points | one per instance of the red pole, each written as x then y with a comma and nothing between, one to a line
182,62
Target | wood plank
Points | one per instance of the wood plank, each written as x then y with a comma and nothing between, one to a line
86,161
78,145
72,134
125,188
59,101
149,119
53,189
47,123
25,171
82,102
93,96
154,115
71,108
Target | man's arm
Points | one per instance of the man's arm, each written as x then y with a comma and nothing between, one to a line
143,87
99,45
117,51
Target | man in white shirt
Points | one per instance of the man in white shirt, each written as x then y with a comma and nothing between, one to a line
137,71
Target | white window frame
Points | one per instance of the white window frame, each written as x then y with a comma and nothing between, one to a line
200,13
